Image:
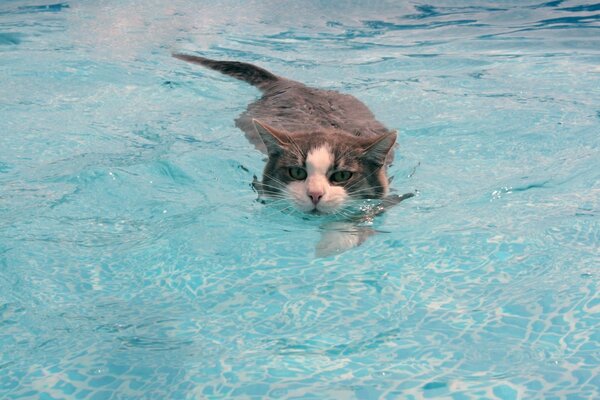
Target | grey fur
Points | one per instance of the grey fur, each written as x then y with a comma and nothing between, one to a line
301,118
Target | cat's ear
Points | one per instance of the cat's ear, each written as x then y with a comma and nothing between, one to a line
272,138
378,149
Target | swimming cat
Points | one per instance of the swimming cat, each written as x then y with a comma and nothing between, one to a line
324,148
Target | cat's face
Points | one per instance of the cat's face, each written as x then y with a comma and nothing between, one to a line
320,172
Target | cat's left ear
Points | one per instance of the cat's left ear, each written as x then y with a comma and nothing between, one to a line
378,149
272,138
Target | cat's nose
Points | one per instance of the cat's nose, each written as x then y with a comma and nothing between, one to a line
315,196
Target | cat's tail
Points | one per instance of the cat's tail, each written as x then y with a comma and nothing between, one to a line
252,74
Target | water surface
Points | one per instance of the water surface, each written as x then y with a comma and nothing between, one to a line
135,261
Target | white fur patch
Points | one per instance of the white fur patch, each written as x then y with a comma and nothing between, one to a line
319,161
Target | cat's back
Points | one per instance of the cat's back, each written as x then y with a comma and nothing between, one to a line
295,107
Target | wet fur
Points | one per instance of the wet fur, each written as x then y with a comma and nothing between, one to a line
297,119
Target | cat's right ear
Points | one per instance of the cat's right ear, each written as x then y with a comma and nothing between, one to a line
272,138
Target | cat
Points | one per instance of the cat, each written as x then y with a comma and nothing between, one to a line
325,149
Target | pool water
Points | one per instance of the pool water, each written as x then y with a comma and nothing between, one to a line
135,261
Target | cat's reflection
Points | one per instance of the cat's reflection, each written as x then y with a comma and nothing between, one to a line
340,236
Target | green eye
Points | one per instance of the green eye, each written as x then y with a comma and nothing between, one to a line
297,173
340,176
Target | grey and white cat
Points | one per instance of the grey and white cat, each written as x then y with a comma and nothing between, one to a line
324,148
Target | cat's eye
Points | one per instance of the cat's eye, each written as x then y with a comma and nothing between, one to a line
340,176
297,173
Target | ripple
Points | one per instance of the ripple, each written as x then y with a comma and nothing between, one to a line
10,38
154,343
56,7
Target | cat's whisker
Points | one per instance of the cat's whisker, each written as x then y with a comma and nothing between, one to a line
368,190
289,210
275,188
363,178
265,185
278,203
274,203
271,177
342,213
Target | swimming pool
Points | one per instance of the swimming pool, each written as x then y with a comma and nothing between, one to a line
135,261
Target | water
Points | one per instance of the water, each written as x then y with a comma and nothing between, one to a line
136,263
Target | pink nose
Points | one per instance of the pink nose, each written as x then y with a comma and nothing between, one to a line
315,197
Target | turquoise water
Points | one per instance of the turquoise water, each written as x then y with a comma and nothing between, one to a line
135,261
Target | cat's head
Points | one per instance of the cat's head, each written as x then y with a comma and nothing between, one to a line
321,172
